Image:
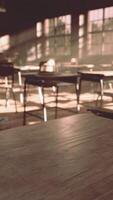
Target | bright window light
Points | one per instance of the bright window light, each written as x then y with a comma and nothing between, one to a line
38,29
4,43
109,12
95,15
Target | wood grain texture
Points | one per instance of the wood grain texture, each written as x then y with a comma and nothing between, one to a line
68,158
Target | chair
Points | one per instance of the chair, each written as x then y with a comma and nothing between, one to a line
7,81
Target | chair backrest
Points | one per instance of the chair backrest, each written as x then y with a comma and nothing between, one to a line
42,66
7,70
47,66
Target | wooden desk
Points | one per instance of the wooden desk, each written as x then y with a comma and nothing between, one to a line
68,158
47,80
95,76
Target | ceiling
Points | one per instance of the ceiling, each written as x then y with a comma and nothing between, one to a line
24,13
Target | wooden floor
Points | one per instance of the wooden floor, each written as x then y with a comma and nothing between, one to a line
66,106
70,158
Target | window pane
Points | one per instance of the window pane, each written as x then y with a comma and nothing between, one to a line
31,54
38,29
60,29
39,50
94,15
60,42
108,24
47,47
95,20
95,26
94,50
95,38
63,25
67,29
67,50
95,43
81,31
51,45
81,20
108,12
81,42
63,45
81,45
108,49
68,19
108,37
46,27
49,27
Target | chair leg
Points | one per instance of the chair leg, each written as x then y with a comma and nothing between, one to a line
14,99
8,95
40,94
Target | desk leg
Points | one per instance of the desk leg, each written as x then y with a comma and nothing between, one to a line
24,114
43,105
101,90
20,85
78,91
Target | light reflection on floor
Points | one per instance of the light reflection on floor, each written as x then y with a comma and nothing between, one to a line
67,99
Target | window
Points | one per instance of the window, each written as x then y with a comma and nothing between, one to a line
108,18
63,25
95,32
100,31
57,32
95,20
108,31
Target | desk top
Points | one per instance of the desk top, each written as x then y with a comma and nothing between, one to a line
53,76
69,64
27,68
101,73
68,158
96,75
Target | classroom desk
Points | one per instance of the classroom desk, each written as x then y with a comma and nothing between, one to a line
95,76
53,76
47,80
67,158
34,70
